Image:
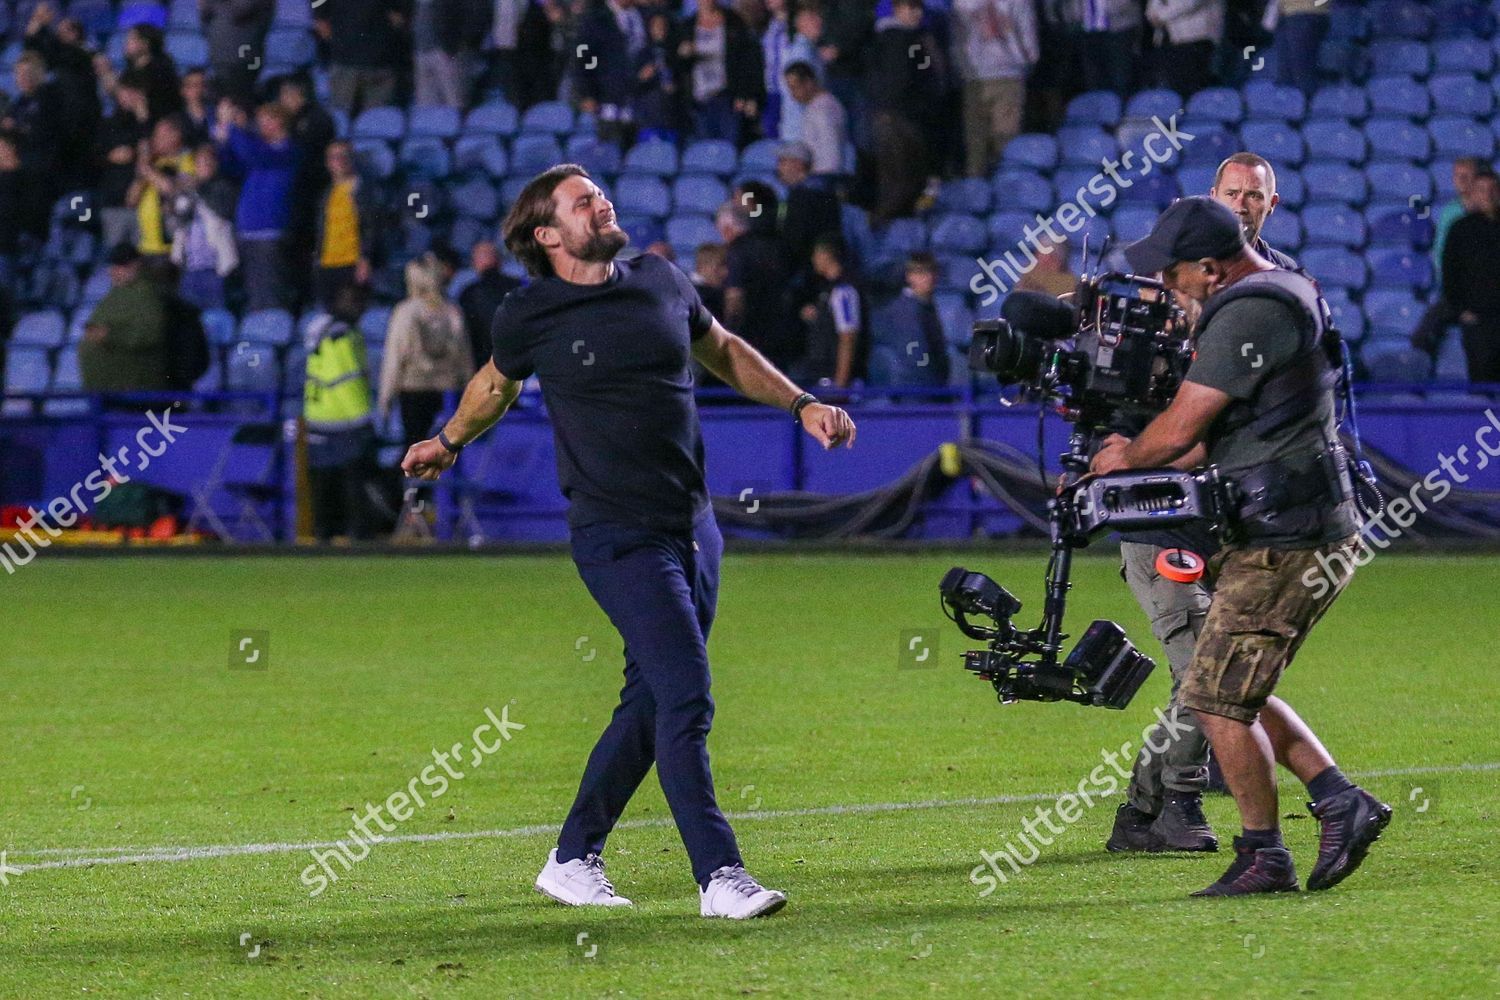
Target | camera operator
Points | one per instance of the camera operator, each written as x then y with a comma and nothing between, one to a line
1163,808
1258,401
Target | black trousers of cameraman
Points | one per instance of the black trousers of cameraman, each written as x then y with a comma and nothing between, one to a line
1179,762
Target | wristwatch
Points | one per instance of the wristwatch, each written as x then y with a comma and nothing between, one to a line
453,449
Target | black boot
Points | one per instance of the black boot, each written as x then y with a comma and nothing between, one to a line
1132,830
1182,825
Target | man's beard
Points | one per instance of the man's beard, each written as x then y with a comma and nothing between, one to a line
601,247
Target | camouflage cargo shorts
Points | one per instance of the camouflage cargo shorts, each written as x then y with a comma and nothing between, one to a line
1265,602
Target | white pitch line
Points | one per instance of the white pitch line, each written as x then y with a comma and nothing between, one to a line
134,855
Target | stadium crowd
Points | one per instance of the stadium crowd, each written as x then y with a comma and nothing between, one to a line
229,185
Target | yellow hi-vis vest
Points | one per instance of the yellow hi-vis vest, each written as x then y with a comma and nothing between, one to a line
336,394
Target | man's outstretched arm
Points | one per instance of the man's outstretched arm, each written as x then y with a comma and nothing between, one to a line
748,372
485,400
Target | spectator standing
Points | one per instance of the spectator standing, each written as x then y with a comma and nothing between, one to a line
719,66
1186,35
364,52
1440,315
236,32
118,145
847,27
197,110
312,130
909,324
837,347
204,246
437,28
265,161
657,101
336,409
35,117
1051,275
809,212
148,66
502,44
480,301
710,272
995,45
757,300
1300,30
124,341
1469,284
11,193
427,352
158,167
610,45
1106,36
64,49
348,224
907,82
781,46
823,126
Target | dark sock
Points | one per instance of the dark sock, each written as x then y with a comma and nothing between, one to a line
1329,782
1262,838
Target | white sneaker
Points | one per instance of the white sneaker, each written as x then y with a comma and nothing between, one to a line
733,893
580,882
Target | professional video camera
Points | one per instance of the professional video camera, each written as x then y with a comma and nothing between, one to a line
1120,352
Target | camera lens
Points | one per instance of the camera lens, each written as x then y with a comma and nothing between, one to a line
1012,355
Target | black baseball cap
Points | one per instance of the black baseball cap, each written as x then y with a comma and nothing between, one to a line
1190,229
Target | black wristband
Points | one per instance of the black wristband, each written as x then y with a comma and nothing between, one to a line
801,403
452,448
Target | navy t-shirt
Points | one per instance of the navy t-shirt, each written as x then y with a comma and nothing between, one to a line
614,364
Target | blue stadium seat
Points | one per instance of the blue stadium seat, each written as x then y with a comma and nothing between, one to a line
379,123
480,154
1199,179
1333,224
1399,95
1099,108
220,327
1022,190
46,330
1007,229
1341,59
653,158
492,118
548,118
1335,267
1340,101
290,47
599,157
1400,227
964,194
292,13
956,318
1454,137
759,157
1086,145
1405,268
143,12
702,193
375,158
1210,144
511,187
1400,19
901,237
1398,139
28,371
1269,100
1391,363
268,326
476,199
1392,310
710,156
1348,22
1456,18
1276,141
1283,230
1132,222
433,123
1067,181
67,377
252,367
1157,189
531,154
1347,316
1334,139
956,271
687,233
640,195
98,16
1400,181
1400,57
642,229
1158,103
959,234
426,159
77,325
1464,55
1094,228
1327,181
1461,94
1220,104
1031,150
188,49
466,232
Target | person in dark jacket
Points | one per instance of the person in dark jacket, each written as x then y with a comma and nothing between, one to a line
63,46
348,221
910,326
117,146
124,341
810,212
757,291
1469,285
236,32
907,80
266,163
149,66
720,73
612,51
35,117
481,300
364,52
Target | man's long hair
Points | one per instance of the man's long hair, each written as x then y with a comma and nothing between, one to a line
532,208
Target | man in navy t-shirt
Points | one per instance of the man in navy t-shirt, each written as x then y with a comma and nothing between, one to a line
612,342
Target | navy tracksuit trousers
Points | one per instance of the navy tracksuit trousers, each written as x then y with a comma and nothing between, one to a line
660,590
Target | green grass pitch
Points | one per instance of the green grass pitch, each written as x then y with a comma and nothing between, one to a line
865,790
